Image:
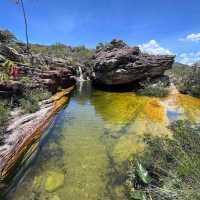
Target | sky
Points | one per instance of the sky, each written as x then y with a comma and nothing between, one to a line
157,26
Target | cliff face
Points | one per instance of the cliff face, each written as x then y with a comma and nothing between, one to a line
118,64
42,71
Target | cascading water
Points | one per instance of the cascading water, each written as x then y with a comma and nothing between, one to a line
80,74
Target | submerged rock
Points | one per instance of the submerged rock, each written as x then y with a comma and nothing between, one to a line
116,64
55,197
37,183
54,181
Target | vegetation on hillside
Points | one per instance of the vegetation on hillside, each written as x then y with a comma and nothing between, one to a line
4,114
31,98
6,36
187,79
169,167
155,90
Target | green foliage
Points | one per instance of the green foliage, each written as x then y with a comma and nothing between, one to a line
4,114
26,81
138,195
187,79
30,101
142,173
156,90
6,36
29,105
74,54
4,77
7,66
4,74
172,163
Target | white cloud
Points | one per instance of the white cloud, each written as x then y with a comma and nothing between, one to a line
193,37
189,58
152,47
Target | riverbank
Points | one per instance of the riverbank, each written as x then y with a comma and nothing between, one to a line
25,130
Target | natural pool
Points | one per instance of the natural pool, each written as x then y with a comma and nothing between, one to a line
85,154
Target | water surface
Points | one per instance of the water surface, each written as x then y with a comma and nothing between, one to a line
85,155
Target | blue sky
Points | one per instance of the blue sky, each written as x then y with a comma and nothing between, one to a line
156,25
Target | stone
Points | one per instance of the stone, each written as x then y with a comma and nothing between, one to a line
37,183
11,87
10,53
55,197
118,64
54,181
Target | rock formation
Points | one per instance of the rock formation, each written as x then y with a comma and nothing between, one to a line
39,70
10,53
117,64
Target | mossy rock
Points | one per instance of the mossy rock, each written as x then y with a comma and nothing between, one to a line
37,183
55,197
54,181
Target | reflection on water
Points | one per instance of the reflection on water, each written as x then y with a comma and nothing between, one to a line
85,153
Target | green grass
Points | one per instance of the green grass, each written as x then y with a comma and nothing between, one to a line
172,166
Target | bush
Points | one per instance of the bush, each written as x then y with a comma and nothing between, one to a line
26,81
4,114
187,79
30,101
169,168
6,36
29,105
156,90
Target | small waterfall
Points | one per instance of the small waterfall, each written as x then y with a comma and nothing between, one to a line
81,74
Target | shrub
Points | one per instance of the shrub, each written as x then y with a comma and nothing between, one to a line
156,90
29,105
26,81
30,101
6,36
4,114
169,168
187,79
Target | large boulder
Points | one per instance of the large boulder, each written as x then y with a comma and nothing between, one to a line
117,64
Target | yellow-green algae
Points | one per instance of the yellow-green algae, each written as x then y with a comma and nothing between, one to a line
54,181
92,141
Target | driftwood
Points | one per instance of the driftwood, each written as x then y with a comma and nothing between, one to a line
26,130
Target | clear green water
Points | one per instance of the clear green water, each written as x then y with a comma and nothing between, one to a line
86,152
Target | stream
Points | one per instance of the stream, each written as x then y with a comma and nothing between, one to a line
84,156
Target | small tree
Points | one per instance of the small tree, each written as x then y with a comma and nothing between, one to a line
20,2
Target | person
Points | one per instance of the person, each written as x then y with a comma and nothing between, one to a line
13,72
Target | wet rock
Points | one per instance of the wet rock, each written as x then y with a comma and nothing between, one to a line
55,197
54,181
37,183
116,64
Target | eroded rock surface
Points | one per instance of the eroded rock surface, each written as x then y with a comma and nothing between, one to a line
10,53
116,64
